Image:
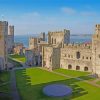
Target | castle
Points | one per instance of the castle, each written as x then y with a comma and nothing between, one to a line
55,53
60,53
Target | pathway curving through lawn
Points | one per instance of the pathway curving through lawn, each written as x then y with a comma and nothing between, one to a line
14,91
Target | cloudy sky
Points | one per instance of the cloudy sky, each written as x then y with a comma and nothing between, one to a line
35,16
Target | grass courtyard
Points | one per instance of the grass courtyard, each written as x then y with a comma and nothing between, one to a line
18,58
5,85
98,82
74,73
31,81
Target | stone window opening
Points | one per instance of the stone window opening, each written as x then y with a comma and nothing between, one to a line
78,55
55,41
68,56
52,40
77,67
85,68
65,55
86,57
69,66
99,55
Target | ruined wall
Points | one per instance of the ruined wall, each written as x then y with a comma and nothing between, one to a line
73,56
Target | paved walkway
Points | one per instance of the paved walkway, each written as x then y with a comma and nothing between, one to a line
14,91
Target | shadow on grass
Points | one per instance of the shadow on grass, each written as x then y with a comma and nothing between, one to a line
34,92
86,77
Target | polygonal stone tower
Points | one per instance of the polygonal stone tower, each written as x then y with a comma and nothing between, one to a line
59,37
96,51
11,39
3,44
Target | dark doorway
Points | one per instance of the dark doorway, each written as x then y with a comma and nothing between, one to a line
77,67
85,68
69,66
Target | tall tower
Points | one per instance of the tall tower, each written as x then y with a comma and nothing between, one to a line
96,50
11,31
10,39
3,44
42,36
59,37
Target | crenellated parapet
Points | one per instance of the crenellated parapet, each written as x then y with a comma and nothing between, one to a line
59,37
83,45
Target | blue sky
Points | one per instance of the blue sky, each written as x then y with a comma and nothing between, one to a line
35,16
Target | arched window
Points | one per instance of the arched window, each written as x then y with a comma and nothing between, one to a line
86,57
52,40
55,41
99,55
77,55
69,66
77,67
85,68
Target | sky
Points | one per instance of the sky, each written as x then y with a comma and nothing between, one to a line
35,16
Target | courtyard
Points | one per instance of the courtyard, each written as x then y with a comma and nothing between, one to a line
5,86
31,81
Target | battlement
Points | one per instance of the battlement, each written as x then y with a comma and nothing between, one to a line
11,30
97,29
98,26
83,45
3,22
59,32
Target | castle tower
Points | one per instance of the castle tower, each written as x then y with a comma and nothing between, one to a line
59,37
10,39
11,30
42,36
33,43
3,44
96,51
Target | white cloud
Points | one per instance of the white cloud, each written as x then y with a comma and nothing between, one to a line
68,10
35,22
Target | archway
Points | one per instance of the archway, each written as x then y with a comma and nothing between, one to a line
77,67
69,66
85,68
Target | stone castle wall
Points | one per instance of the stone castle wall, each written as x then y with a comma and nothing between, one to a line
73,56
81,57
3,45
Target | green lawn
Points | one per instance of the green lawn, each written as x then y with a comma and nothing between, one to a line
74,73
30,83
5,84
18,58
98,82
